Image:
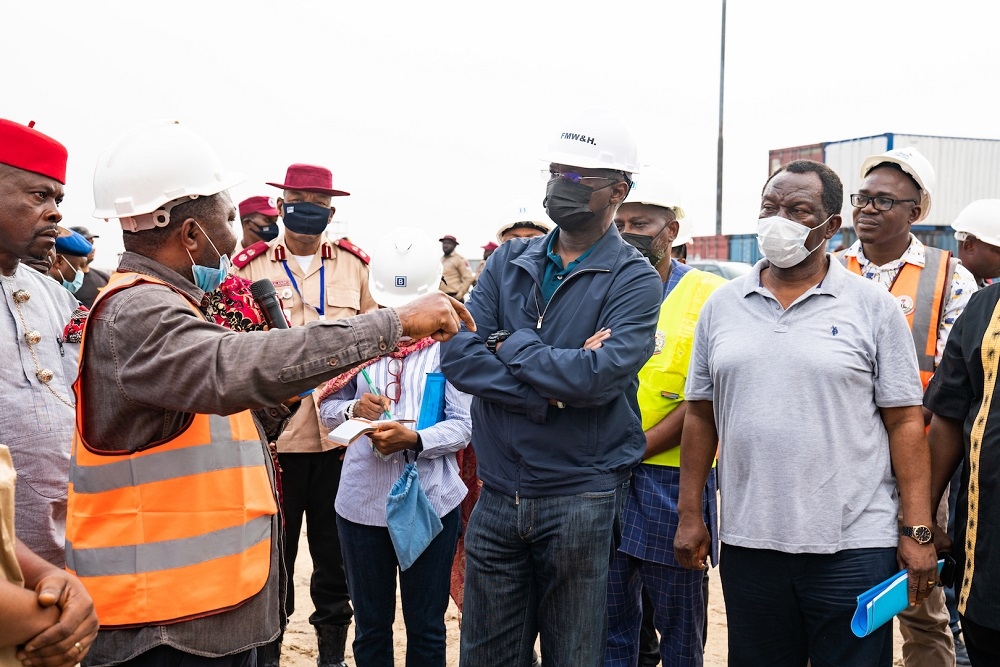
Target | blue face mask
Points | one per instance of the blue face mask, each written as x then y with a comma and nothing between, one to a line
74,285
207,278
303,217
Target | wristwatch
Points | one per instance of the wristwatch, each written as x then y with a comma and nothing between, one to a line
496,337
922,534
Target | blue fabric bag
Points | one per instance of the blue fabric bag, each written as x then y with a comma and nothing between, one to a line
411,520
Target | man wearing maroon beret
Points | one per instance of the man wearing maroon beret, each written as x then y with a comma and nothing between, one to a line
316,278
259,219
37,413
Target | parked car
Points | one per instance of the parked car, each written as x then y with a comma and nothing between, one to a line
727,270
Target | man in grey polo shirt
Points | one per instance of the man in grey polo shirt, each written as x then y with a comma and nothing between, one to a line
806,377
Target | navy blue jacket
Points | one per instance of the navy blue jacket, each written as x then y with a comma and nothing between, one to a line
525,446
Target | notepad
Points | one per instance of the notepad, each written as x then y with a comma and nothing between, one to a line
352,429
878,605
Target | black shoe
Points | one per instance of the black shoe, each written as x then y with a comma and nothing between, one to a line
332,641
269,655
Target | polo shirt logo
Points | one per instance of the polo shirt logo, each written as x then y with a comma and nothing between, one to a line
834,331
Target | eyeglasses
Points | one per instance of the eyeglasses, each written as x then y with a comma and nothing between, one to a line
880,203
395,388
549,175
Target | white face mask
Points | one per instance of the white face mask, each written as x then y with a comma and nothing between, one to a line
783,241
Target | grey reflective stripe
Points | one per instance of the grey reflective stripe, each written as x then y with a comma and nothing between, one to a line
219,428
922,306
169,554
160,466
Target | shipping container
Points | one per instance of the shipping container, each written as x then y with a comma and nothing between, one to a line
966,169
708,247
782,156
937,237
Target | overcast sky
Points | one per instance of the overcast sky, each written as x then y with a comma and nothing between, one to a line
437,113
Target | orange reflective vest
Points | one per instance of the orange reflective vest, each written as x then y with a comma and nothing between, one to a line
920,293
176,530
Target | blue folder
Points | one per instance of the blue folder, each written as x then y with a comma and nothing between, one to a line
879,604
432,405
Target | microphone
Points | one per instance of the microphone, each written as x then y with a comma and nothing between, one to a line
267,298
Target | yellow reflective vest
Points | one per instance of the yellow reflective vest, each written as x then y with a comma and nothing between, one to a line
662,379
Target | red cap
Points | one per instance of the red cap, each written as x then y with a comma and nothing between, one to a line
490,246
310,178
28,149
262,205
449,237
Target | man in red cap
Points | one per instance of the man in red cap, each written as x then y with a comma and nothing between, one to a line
316,279
38,404
259,219
457,276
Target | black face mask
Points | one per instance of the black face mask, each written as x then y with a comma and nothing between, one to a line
568,203
268,233
303,217
644,244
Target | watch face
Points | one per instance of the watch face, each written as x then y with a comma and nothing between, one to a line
922,534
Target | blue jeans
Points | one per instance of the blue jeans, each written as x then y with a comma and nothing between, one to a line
539,566
371,576
787,609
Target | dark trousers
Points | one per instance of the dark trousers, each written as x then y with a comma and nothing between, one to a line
423,589
309,486
982,643
790,609
168,656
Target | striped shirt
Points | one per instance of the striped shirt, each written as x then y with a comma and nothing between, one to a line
366,480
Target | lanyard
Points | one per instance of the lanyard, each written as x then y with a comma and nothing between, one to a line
321,309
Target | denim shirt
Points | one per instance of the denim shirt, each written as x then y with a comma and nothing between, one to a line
150,360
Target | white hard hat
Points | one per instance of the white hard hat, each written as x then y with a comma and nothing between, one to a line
152,165
595,140
526,215
406,264
981,219
654,188
914,164
683,235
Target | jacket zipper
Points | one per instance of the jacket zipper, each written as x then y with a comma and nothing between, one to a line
559,287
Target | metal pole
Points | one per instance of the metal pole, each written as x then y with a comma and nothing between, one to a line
722,92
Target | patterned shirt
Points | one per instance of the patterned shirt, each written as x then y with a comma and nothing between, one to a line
961,287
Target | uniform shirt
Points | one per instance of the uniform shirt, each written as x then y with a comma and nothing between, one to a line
960,288
780,381
150,361
343,292
366,480
962,389
456,276
37,420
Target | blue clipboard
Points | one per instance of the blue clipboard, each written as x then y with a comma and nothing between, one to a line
878,605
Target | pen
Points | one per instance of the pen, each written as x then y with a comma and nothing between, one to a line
371,385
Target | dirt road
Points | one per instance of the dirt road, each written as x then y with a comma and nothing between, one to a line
300,641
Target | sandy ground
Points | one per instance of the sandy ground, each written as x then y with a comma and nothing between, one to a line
299,649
